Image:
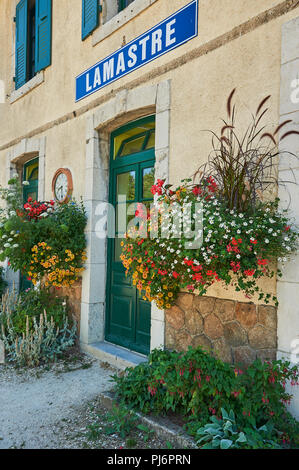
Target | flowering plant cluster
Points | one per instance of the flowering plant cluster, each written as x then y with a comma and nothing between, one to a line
59,271
229,246
34,210
45,241
197,386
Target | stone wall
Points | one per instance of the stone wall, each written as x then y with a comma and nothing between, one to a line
73,296
237,332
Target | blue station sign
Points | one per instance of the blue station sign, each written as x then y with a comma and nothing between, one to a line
166,36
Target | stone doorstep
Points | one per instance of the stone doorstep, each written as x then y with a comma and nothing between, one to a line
116,356
171,432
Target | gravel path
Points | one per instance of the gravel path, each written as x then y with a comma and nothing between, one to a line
33,403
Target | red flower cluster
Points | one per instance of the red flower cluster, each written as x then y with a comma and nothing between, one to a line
233,245
35,209
157,188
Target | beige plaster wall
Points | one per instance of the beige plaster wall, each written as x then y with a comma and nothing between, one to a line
200,83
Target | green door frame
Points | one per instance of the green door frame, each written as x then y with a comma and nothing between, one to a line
136,162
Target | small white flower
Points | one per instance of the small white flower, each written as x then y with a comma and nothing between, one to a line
238,256
7,245
266,240
12,213
15,245
241,216
4,236
25,183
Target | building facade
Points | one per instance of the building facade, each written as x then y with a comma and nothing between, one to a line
114,94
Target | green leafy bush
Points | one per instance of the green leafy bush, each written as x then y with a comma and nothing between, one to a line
31,303
196,385
224,434
34,301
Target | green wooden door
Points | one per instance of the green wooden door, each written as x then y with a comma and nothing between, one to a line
31,190
128,316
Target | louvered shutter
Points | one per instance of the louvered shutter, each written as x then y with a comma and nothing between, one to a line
21,43
90,17
43,34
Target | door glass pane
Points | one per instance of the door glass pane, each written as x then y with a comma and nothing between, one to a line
148,178
132,134
133,146
31,171
126,185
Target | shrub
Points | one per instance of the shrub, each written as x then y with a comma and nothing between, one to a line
43,342
31,303
197,385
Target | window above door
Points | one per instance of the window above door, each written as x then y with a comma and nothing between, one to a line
110,15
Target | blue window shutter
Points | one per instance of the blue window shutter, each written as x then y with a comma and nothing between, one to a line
43,33
21,43
90,17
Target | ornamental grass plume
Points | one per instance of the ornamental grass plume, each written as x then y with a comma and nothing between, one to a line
244,164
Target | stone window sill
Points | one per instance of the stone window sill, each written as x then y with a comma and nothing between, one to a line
30,85
120,20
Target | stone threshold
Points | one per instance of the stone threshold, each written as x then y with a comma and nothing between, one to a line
114,355
162,427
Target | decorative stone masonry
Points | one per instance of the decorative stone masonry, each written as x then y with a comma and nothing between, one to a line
236,332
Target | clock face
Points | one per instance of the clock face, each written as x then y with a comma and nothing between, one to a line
61,187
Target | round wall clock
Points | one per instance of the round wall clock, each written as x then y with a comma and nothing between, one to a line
62,185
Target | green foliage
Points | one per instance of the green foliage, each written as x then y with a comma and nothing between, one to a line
122,421
3,283
41,343
31,304
35,236
225,434
147,432
196,385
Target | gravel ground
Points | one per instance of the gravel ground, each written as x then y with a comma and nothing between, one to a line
57,407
